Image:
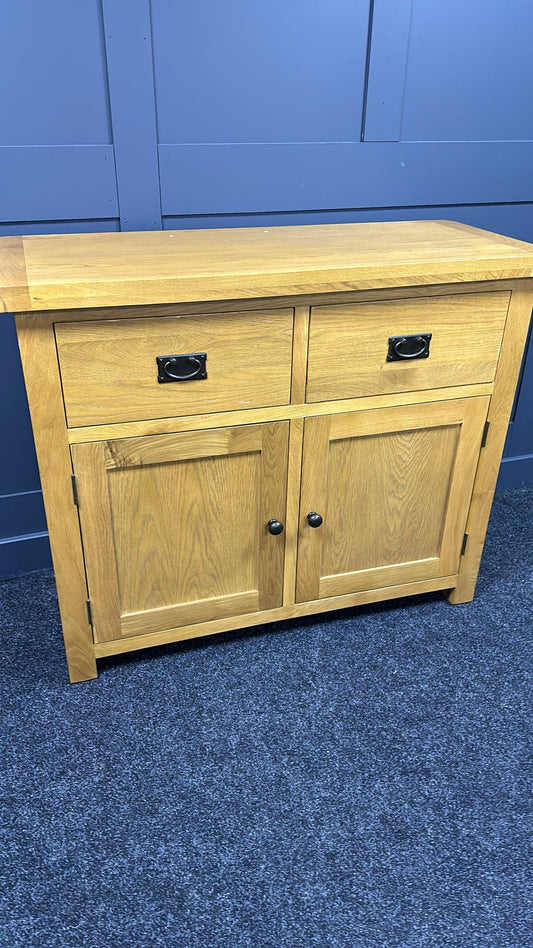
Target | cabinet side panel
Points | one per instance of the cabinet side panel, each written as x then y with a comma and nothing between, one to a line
43,385
498,416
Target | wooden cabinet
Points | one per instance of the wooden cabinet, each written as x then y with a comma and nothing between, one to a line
245,426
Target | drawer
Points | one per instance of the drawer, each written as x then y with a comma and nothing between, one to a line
110,374
349,344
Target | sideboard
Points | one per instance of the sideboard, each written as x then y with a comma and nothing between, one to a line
238,426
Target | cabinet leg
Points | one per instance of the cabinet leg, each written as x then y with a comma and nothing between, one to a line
457,596
470,561
79,648
77,674
490,457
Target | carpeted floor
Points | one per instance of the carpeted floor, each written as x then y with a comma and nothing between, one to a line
358,780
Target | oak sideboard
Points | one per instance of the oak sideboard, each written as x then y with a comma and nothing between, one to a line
237,426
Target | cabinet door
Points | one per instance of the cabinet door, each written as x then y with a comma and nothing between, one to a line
175,526
393,487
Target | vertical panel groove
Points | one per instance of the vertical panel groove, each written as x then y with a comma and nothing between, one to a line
367,68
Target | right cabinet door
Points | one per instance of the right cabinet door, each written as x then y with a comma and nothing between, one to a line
393,488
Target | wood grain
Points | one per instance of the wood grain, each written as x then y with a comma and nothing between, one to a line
175,526
183,531
462,483
262,415
84,270
387,497
299,354
150,622
98,539
348,345
313,498
109,368
293,509
207,307
376,577
393,487
183,445
274,615
490,457
14,294
43,385
272,485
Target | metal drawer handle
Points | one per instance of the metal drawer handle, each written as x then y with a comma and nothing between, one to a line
170,363
409,347
177,368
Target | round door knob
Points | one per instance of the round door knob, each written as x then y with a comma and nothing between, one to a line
275,527
314,519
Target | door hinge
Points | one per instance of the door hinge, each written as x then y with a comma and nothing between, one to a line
74,490
465,541
485,434
89,612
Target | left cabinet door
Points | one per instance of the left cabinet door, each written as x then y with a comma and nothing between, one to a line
175,526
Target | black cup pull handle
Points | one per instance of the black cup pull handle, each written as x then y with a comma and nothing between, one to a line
181,368
409,347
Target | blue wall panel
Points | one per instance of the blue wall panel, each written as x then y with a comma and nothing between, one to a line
53,74
164,114
64,182
56,156
451,71
57,175
469,73
260,71
18,464
227,179
24,543
387,65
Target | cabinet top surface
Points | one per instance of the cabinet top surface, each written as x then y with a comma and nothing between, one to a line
75,271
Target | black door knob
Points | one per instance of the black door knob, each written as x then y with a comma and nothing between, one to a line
275,527
314,519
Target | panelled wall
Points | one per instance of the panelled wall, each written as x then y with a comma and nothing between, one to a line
161,114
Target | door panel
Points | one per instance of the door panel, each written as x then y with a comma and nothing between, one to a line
393,487
175,526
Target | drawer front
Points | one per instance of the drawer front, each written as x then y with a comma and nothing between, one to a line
110,373
349,345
